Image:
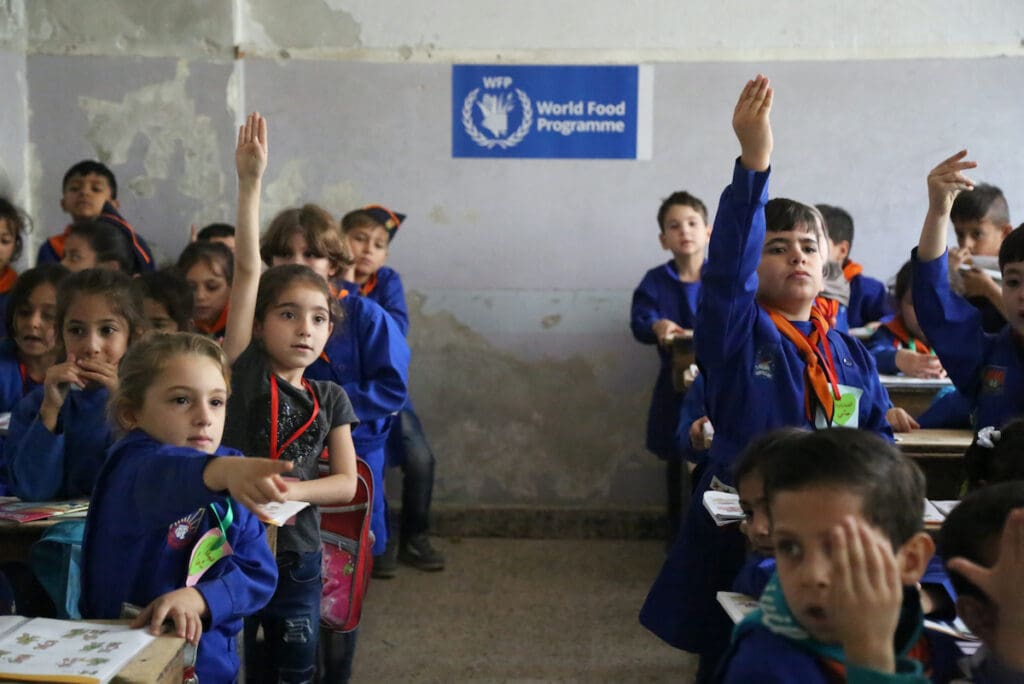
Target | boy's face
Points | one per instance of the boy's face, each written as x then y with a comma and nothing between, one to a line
802,524
1013,294
982,237
685,232
369,245
756,526
839,251
84,196
791,272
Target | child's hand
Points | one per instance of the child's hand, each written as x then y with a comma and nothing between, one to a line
916,365
56,384
865,594
946,181
977,283
186,607
98,371
957,257
900,420
251,153
750,121
256,481
1001,583
665,328
698,439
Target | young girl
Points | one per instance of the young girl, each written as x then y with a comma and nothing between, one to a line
160,499
282,328
13,224
167,301
899,346
59,433
91,244
208,267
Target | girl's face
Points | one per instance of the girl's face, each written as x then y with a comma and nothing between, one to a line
78,254
295,328
34,330
94,330
299,252
157,317
756,524
211,290
184,405
6,243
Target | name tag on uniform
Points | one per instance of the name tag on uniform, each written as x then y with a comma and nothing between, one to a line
846,409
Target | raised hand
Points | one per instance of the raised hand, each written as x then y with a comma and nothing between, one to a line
251,152
947,180
865,594
752,126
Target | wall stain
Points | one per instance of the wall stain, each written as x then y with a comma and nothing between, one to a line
439,215
165,116
550,321
510,431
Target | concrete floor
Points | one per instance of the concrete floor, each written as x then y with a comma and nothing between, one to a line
519,610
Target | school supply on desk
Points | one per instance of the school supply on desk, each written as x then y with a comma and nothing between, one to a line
45,650
907,382
935,512
736,605
12,508
724,507
278,514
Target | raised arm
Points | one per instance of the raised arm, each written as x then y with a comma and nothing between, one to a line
944,183
250,163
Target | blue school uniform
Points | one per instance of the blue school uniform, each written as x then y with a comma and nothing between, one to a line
869,301
368,356
985,368
148,510
15,382
950,410
43,465
662,295
883,345
691,409
754,382
755,574
385,288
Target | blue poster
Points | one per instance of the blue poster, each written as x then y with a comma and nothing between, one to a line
552,112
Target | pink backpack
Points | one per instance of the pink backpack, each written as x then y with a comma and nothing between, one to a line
347,555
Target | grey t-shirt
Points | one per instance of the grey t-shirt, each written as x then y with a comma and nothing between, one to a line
247,428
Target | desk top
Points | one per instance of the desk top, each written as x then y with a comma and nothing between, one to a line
903,382
934,442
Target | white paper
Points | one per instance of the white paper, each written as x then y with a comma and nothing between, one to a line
278,514
737,606
724,507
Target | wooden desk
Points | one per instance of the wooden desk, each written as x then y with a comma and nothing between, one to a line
16,539
912,394
162,662
940,455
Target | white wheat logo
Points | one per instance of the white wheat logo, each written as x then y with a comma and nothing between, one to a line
495,110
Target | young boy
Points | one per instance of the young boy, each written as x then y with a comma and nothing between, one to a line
845,509
369,232
869,301
985,368
983,540
90,194
769,360
981,221
664,306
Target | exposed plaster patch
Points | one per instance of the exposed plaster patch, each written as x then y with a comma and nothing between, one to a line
438,215
301,24
287,190
342,197
509,430
471,216
165,115
550,321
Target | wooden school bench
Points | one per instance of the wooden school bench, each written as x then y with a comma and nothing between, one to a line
914,395
940,455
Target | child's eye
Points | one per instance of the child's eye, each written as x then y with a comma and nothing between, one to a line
320,319
216,403
180,401
1011,283
108,330
810,249
788,548
74,330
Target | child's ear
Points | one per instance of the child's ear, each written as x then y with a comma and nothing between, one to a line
1007,229
126,418
913,557
979,617
661,239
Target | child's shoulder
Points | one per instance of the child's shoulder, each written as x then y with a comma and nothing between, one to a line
760,655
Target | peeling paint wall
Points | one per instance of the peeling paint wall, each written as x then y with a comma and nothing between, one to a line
519,273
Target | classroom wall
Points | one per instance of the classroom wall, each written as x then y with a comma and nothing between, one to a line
519,272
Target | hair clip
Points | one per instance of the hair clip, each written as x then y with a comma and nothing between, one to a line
988,436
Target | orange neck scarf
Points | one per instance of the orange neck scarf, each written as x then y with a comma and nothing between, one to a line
904,340
7,279
829,308
369,286
217,327
851,270
819,372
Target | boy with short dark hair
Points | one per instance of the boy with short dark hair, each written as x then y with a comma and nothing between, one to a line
985,368
217,232
981,221
983,540
869,300
665,305
89,193
845,509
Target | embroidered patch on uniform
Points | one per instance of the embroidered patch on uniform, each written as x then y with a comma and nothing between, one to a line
764,365
181,532
993,378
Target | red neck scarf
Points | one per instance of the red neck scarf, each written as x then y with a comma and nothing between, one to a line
851,270
819,373
7,280
904,340
829,308
217,327
369,286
